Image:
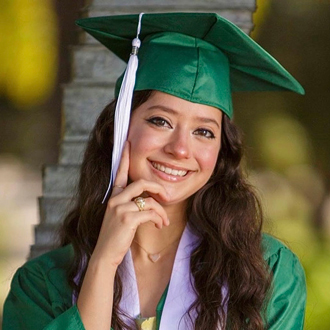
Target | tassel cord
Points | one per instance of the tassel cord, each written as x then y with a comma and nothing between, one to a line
123,109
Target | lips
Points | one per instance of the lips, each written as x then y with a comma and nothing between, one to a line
169,170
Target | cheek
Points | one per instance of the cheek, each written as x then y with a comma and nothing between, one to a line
143,141
208,158
142,134
136,138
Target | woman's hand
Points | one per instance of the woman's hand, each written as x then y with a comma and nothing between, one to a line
121,219
122,216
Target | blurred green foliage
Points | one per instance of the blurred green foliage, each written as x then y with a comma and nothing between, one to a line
288,141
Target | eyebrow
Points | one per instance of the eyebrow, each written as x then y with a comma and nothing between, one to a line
174,112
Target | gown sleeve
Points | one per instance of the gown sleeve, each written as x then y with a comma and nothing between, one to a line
34,304
286,307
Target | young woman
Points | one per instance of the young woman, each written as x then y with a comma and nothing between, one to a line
178,242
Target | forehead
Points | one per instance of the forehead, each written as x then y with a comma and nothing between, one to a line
163,102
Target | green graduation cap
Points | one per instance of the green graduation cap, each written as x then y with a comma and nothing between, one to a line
200,57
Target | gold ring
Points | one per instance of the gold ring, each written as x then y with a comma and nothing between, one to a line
140,203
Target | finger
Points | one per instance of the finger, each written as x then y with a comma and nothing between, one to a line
150,204
138,187
134,219
122,173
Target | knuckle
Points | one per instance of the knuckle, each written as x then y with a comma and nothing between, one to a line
125,218
117,210
111,203
142,182
153,213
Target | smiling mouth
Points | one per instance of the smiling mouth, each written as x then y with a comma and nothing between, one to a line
169,170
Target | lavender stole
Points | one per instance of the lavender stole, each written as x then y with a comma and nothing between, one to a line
180,295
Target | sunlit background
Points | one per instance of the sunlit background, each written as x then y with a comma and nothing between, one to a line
287,136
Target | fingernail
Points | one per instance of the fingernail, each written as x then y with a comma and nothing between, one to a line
168,221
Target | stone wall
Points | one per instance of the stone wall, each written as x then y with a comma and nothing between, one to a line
95,70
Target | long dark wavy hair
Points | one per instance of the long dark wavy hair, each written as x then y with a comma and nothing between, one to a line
225,214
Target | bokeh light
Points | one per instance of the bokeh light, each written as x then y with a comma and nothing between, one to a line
28,56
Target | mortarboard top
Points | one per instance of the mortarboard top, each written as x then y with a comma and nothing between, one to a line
199,57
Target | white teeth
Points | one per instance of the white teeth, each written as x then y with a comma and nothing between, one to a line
169,170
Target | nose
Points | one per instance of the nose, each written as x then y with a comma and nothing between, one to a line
179,145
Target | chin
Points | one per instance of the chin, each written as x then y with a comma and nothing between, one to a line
173,199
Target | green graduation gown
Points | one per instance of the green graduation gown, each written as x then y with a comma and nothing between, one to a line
41,298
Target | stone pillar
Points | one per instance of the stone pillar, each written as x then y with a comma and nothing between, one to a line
95,70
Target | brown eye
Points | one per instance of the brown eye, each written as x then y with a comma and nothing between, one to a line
158,121
205,133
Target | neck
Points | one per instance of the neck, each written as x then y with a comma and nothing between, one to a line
153,239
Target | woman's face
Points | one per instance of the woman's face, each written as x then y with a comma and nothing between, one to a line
174,142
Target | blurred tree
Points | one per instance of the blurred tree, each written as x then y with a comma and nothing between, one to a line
296,33
29,51
288,139
34,61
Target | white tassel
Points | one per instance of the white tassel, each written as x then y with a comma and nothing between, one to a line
123,109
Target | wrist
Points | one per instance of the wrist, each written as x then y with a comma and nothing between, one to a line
98,263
